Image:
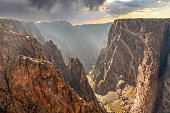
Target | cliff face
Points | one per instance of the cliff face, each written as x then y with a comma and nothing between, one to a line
73,74
136,56
80,82
165,93
22,27
29,82
34,86
12,45
54,56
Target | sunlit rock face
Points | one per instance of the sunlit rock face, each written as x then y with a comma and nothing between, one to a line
12,45
34,86
29,82
136,56
73,74
54,56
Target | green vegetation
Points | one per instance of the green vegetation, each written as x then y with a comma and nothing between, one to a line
98,99
111,108
121,109
91,82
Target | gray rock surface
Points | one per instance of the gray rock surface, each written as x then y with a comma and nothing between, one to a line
23,27
80,82
138,50
83,41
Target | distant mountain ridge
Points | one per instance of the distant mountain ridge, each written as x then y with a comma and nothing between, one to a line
82,41
97,32
23,27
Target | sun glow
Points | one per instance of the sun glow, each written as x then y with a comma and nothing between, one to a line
125,0
109,1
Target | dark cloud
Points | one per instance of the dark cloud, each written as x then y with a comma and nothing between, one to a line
14,9
45,4
93,4
71,10
49,4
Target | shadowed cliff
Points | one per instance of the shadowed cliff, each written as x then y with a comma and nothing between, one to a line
134,65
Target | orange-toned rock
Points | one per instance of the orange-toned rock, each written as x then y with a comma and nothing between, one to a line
30,83
73,74
54,56
34,86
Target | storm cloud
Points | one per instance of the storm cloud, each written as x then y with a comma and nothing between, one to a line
46,4
49,4
73,11
93,4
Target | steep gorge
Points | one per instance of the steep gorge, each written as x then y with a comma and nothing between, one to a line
134,68
30,83
81,41
80,82
134,65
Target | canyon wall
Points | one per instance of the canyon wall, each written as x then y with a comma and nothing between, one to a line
80,82
136,56
34,77
81,41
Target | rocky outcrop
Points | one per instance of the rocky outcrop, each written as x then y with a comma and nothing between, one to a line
80,82
34,86
30,83
12,45
54,56
137,51
73,74
23,27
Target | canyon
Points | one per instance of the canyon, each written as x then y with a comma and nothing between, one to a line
131,74
81,41
33,80
135,65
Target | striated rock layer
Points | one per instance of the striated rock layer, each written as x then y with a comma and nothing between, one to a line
136,56
80,82
30,83
35,87
54,56
73,74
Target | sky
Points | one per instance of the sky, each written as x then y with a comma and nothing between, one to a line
83,11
